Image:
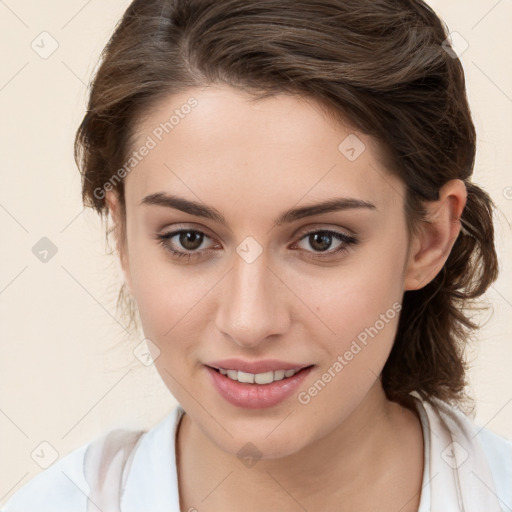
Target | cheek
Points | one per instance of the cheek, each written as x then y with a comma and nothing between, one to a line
363,308
172,300
361,305
170,309
167,298
355,295
362,320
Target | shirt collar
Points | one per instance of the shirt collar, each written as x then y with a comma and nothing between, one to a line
456,474
152,482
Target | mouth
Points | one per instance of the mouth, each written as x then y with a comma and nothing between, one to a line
257,390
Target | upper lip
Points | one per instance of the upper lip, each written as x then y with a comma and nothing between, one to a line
262,366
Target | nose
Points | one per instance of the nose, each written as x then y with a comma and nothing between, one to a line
253,303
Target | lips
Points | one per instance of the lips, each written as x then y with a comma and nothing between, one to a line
262,366
256,396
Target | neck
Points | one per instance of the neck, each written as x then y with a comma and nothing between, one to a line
378,446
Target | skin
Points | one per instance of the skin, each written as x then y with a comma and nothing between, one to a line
349,448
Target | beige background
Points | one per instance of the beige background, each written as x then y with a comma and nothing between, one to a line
67,371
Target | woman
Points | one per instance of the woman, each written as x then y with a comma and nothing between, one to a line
290,189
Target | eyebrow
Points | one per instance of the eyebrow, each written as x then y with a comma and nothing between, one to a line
289,216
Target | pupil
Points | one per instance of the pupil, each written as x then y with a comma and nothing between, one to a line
325,238
191,240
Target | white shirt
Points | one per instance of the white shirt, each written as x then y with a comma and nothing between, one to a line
466,469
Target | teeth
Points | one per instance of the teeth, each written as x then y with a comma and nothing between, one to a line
246,377
264,378
279,374
233,374
258,378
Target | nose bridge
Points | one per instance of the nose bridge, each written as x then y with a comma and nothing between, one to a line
251,307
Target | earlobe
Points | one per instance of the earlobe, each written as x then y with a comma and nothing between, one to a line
431,246
118,222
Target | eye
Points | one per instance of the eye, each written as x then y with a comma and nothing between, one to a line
189,239
322,240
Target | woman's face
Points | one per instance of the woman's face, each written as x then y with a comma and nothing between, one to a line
264,278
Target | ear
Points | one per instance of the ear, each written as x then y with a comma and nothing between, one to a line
118,215
430,247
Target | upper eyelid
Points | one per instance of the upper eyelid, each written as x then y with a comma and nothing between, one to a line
177,230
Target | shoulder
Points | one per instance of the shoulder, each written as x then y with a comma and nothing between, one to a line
121,462
497,449
81,477
60,487
498,452
481,457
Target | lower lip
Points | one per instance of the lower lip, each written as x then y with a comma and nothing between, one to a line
256,396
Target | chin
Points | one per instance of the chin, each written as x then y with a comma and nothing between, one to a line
263,442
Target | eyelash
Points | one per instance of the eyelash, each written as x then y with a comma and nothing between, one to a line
163,240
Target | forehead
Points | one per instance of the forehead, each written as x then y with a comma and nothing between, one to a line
220,142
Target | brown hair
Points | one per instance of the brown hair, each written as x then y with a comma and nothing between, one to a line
384,65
